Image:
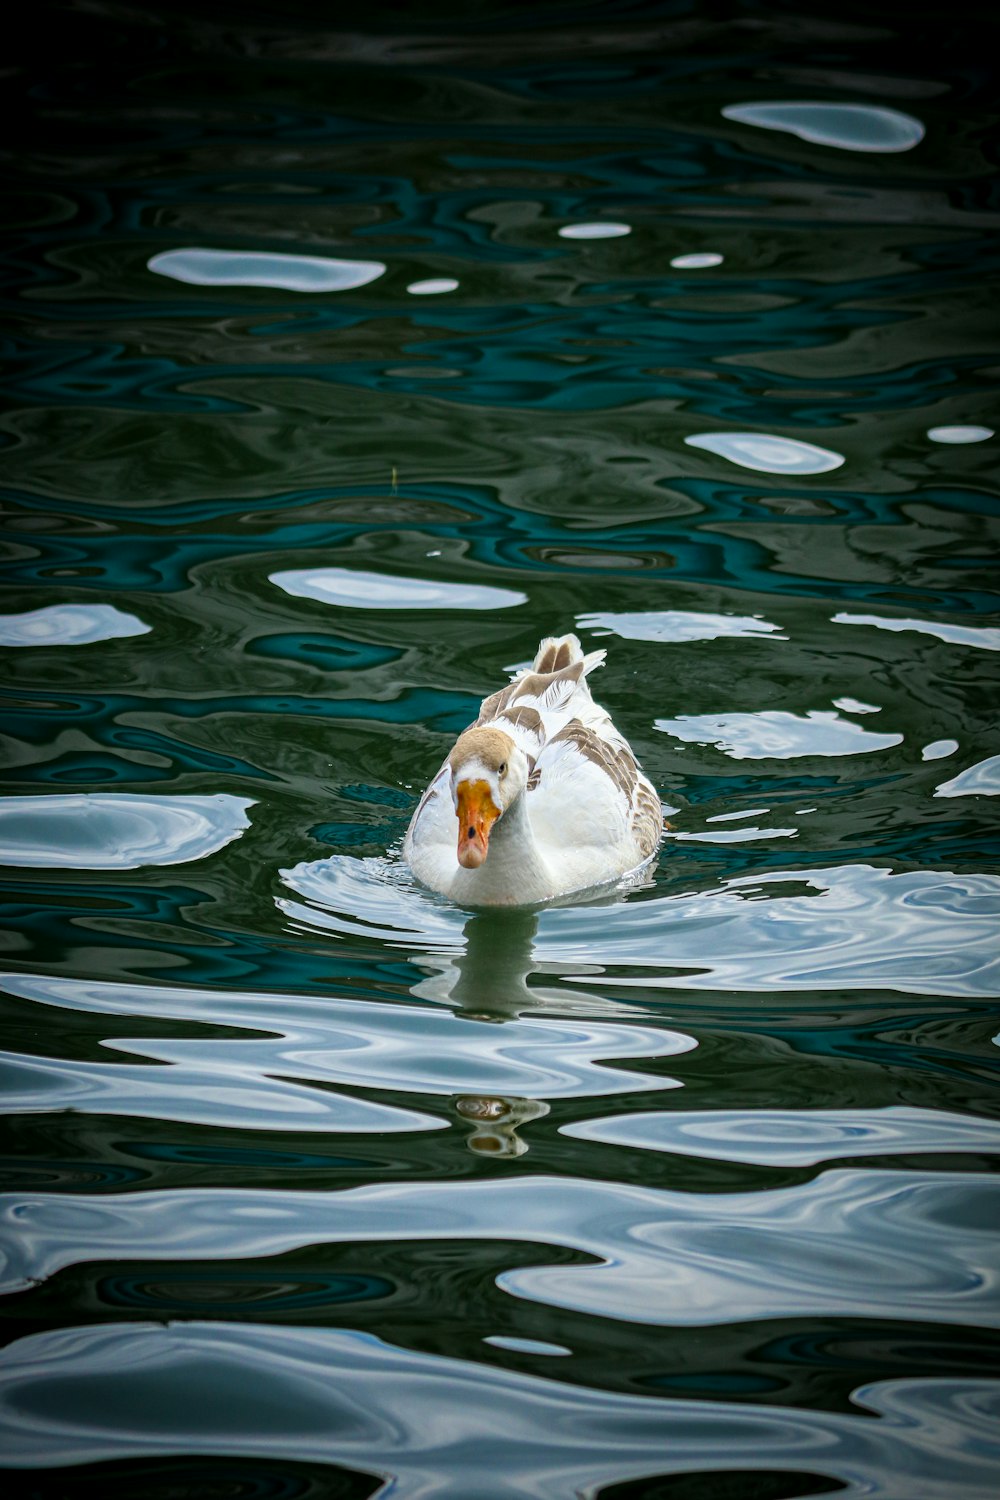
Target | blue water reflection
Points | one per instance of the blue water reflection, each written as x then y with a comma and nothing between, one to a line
849,127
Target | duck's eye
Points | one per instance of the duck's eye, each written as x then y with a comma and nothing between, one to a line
503,768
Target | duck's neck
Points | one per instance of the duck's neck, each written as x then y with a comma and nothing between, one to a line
514,869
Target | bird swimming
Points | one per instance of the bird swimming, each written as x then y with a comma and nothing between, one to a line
541,797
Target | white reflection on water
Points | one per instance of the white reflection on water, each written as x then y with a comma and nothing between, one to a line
117,830
524,1346
429,1425
604,230
980,780
69,625
814,1250
432,286
767,453
793,1137
735,835
665,1257
851,127
986,637
777,734
856,706
291,273
841,927
921,932
359,590
698,260
205,1086
409,1048
938,749
732,817
957,434
677,625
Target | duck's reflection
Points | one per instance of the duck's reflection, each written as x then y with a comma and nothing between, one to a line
489,981
495,1122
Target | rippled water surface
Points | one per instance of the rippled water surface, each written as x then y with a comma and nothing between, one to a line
348,355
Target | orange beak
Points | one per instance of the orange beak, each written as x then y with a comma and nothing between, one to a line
477,813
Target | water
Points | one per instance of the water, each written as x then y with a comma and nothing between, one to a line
347,357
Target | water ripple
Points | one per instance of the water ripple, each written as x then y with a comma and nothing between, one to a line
210,1090
981,780
361,1044
658,1257
350,1399
793,1137
916,931
117,830
984,637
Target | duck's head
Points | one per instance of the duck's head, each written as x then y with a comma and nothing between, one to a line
488,773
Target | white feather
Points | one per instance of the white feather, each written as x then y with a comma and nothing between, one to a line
576,812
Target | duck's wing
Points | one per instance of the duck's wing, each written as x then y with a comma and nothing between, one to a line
587,789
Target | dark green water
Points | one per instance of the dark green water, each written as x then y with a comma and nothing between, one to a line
317,1186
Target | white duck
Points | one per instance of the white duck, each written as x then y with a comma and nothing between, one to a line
541,797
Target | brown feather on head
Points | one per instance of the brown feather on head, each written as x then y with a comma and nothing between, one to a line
475,751
491,747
